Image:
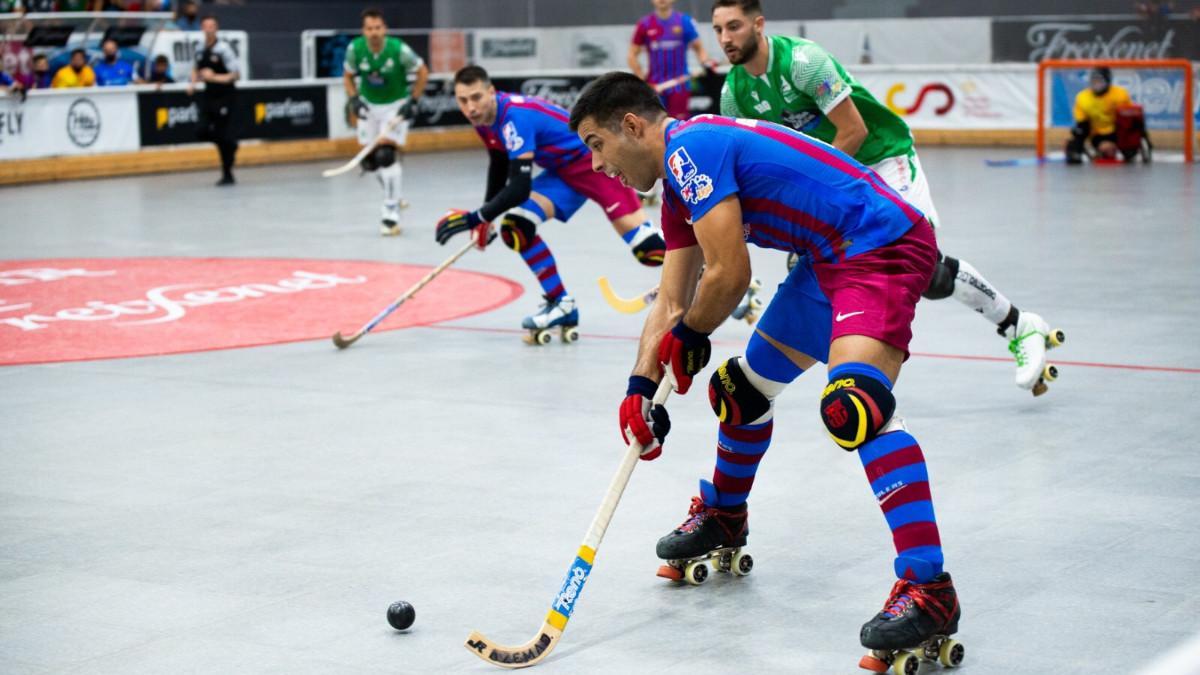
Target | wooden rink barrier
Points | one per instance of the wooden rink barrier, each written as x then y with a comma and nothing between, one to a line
203,157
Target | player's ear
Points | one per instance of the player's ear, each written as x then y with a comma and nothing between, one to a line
760,23
632,125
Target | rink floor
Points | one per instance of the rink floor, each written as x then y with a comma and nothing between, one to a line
256,510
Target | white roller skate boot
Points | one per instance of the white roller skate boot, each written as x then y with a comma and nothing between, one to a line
1028,341
389,225
560,313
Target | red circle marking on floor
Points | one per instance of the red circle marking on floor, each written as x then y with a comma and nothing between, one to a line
102,308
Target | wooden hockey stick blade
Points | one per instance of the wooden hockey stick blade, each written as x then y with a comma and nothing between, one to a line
366,150
342,342
625,305
529,654
532,652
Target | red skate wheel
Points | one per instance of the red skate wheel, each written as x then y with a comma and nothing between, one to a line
873,663
672,573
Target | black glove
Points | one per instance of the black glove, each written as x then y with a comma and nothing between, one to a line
408,108
356,106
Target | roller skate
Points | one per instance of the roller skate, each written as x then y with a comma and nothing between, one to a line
751,305
389,225
1028,341
559,313
709,536
916,624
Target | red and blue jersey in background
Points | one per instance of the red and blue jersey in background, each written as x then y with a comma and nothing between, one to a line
666,42
527,123
796,193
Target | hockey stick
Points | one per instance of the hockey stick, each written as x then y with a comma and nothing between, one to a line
343,341
366,150
626,305
532,652
674,81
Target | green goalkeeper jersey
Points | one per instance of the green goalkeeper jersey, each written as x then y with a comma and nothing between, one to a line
383,77
802,84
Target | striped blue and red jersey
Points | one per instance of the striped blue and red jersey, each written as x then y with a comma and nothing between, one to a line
528,123
666,42
796,193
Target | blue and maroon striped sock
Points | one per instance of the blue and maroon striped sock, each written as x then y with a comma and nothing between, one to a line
739,451
895,466
541,261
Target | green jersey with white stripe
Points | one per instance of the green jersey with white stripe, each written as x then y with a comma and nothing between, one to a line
382,77
802,84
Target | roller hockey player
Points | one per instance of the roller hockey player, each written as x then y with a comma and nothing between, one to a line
375,74
865,257
520,131
1106,117
793,81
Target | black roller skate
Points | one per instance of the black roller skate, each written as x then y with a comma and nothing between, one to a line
915,624
709,536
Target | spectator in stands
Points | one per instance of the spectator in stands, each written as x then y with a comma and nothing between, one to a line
41,77
77,73
113,71
9,85
187,16
160,71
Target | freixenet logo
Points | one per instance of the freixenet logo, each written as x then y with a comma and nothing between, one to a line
1082,40
78,309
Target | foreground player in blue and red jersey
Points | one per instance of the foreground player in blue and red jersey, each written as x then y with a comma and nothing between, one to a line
520,131
866,255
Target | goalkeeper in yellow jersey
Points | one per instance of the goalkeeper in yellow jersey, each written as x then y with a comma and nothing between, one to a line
1108,118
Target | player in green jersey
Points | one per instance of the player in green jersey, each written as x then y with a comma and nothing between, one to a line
375,74
795,82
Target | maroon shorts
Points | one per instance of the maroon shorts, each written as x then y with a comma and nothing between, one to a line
876,293
676,103
614,198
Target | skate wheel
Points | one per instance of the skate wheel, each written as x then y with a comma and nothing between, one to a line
1050,373
696,573
755,285
906,663
1056,338
756,304
670,572
873,663
570,335
951,653
742,564
541,337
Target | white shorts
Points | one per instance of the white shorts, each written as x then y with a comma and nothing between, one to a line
905,175
378,116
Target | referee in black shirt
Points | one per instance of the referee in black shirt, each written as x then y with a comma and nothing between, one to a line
217,67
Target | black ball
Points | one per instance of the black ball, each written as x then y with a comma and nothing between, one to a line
401,615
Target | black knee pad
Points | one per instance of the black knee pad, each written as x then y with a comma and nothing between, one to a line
517,232
941,284
385,156
368,163
854,407
734,397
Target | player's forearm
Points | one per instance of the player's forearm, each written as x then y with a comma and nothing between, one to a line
418,89
349,84
676,288
663,315
850,140
635,65
515,192
722,287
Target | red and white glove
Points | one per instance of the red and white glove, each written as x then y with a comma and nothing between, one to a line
684,353
641,420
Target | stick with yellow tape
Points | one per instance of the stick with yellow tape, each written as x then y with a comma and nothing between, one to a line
532,652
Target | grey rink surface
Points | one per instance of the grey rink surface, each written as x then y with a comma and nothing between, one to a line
256,510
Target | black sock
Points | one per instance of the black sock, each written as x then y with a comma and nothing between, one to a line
1010,320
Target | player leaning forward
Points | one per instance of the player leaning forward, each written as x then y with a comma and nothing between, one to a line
865,257
375,74
794,81
520,131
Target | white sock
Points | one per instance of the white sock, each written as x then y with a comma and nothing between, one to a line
389,178
972,290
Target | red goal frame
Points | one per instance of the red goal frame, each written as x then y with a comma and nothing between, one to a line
1189,121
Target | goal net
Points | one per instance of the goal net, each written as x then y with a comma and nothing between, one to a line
1164,88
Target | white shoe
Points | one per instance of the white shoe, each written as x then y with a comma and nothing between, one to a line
1028,342
561,312
390,220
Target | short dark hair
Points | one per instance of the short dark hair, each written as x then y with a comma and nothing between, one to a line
162,58
373,13
109,39
472,74
610,96
81,52
209,17
748,7
40,57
